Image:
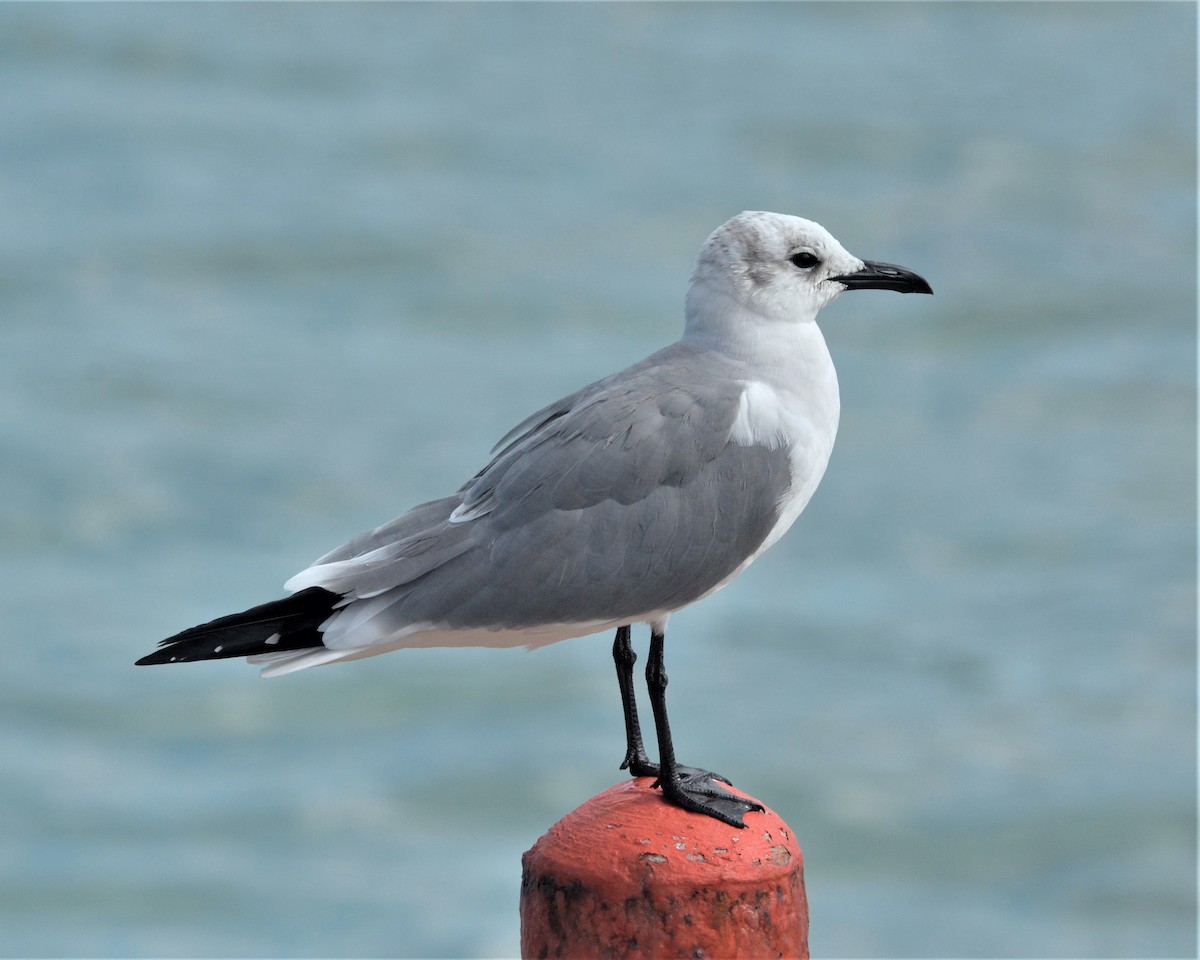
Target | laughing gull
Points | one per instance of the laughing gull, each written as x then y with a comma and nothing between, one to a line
619,504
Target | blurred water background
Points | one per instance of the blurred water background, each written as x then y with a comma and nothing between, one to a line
270,274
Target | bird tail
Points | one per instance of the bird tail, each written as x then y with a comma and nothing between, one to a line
293,623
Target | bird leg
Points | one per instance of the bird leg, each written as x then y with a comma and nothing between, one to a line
636,761
687,787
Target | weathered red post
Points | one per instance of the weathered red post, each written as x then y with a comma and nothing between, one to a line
627,875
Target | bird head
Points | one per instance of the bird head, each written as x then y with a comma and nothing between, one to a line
782,267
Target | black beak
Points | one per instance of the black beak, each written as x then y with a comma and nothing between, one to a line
884,276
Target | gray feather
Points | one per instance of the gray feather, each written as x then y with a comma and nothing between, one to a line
625,498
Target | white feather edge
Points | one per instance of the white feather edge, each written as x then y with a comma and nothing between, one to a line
278,664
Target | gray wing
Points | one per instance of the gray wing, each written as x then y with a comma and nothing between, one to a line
622,499
393,555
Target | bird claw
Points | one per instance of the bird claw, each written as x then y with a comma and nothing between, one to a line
639,766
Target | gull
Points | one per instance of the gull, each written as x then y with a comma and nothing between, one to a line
617,505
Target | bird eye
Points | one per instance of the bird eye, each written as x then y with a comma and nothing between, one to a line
804,260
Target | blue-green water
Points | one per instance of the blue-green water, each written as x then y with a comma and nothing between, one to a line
270,274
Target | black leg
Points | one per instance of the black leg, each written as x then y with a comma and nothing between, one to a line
636,761
686,787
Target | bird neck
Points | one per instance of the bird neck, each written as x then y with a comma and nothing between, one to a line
714,320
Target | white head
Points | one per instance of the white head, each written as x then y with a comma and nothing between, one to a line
781,268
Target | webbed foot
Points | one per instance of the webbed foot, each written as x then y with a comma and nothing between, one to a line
639,766
697,791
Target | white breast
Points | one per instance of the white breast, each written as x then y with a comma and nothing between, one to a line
797,408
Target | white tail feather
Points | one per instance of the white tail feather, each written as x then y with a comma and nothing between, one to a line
285,662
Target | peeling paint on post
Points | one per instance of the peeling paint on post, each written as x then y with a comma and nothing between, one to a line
627,875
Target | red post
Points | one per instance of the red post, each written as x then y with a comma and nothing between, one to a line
627,875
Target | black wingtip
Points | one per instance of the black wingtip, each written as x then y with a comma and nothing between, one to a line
292,623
